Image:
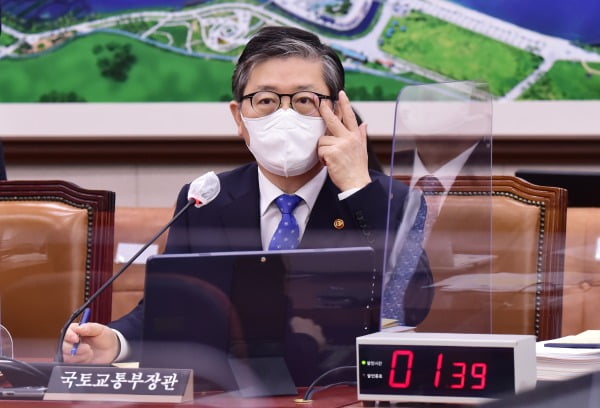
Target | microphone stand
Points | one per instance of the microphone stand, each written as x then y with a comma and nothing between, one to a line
59,354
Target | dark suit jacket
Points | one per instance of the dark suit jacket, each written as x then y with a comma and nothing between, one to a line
232,223
2,168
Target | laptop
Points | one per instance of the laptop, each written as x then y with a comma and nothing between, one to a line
242,318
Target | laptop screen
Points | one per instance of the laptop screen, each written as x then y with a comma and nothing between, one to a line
305,308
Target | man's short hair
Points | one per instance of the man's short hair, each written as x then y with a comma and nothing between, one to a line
282,42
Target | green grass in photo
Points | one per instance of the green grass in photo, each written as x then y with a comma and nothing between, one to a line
367,87
457,53
196,33
255,21
178,33
136,25
567,80
202,48
6,40
161,37
157,75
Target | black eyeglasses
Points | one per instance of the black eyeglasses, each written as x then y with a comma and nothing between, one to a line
304,102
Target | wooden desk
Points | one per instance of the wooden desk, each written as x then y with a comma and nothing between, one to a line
342,396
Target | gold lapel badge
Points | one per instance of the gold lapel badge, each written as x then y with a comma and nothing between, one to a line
338,223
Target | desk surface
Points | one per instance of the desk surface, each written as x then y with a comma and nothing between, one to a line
343,396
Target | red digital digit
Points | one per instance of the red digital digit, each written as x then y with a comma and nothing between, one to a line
407,374
438,370
460,375
479,371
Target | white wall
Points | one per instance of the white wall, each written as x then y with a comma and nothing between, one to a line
135,185
158,185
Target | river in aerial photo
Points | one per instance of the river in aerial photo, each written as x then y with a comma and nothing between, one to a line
574,20
47,10
110,6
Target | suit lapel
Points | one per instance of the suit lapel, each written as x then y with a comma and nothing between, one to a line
328,212
328,226
240,214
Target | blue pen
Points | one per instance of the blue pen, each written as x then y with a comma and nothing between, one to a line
84,319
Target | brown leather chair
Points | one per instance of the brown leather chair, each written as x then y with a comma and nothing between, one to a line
135,225
56,243
581,297
522,262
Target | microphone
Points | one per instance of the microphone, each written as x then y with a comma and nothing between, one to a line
202,191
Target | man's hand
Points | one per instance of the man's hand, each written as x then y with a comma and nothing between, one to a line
98,344
344,151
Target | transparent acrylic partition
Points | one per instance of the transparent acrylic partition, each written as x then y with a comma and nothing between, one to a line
442,152
6,341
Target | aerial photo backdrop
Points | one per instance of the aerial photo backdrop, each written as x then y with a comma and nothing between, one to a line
185,50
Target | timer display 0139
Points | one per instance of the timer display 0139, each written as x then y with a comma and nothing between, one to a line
444,367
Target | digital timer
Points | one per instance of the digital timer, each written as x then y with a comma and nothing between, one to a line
443,367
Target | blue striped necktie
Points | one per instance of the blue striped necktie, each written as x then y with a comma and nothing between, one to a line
287,234
432,187
406,265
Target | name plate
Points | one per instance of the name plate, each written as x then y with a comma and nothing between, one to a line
85,383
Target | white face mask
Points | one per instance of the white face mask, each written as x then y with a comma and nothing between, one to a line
285,142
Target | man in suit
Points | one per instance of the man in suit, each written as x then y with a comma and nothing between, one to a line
432,155
290,109
443,130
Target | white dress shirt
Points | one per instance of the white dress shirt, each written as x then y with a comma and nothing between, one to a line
270,214
445,174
